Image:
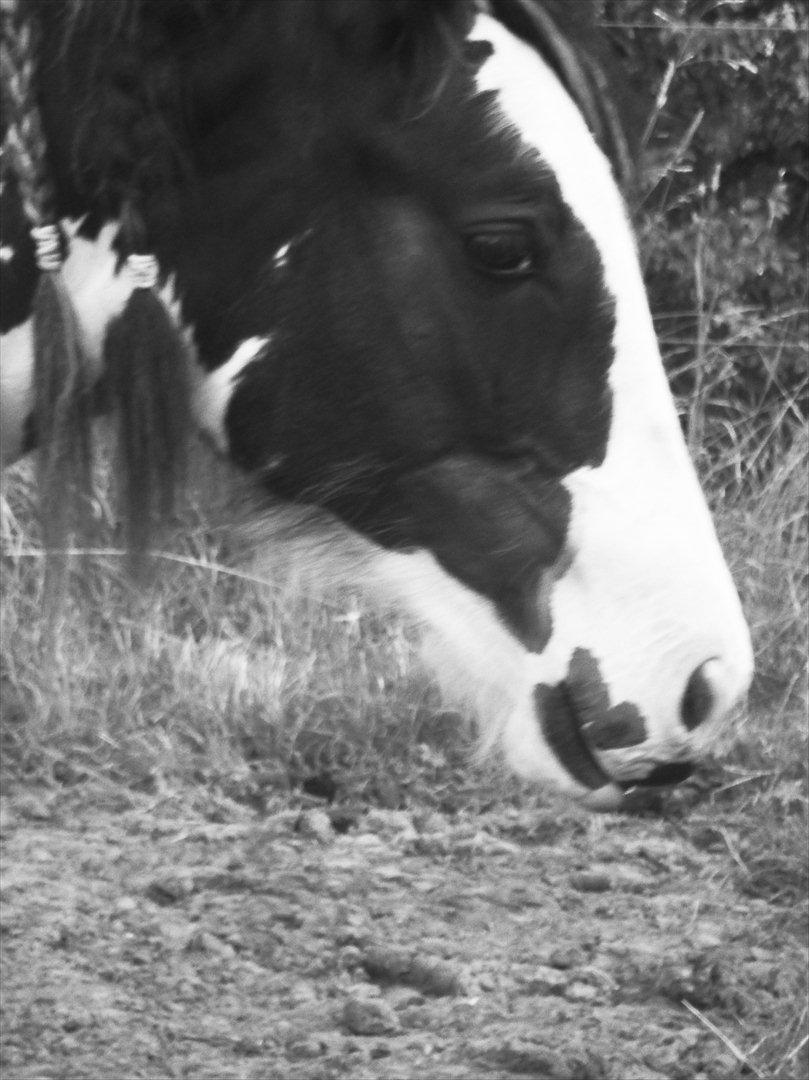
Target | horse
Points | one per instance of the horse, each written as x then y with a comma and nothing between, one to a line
389,239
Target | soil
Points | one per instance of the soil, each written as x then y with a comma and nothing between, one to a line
155,936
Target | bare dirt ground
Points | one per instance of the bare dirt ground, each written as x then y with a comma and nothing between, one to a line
148,936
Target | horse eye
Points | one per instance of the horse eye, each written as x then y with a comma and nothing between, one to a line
502,251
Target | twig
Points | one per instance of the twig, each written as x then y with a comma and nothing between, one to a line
744,780
737,1053
795,1050
732,849
168,556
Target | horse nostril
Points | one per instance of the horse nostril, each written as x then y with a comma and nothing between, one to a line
700,694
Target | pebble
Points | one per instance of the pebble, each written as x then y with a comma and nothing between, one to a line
369,1016
429,821
580,991
315,825
546,980
564,957
588,881
201,941
170,888
431,975
125,904
306,1047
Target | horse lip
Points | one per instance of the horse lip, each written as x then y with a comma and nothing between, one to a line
561,727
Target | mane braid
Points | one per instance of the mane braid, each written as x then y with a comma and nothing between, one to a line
61,376
127,161
147,369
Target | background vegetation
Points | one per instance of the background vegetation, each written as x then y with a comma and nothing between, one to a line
232,689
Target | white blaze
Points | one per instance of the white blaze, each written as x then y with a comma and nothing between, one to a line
648,591
212,393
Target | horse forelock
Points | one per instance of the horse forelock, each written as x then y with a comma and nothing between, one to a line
143,79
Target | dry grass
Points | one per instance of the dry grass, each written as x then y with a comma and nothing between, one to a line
207,670
211,681
207,676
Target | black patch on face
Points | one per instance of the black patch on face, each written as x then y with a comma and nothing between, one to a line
561,731
494,529
421,401
576,717
605,727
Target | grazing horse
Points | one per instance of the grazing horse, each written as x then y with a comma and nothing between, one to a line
391,241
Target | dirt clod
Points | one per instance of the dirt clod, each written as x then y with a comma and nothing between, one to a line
428,974
369,1016
586,881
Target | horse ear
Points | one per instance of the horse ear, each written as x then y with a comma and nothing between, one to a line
373,31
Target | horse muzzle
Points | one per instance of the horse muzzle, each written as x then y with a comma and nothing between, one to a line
607,749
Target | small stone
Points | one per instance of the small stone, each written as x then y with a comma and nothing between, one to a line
203,942
428,821
580,991
170,888
403,997
369,1016
315,825
368,842
589,881
705,941
306,1047
288,915
430,975
303,993
246,1047
546,980
527,1059
389,872
125,904
62,936
564,957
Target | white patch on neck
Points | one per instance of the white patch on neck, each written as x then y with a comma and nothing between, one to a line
98,291
213,391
